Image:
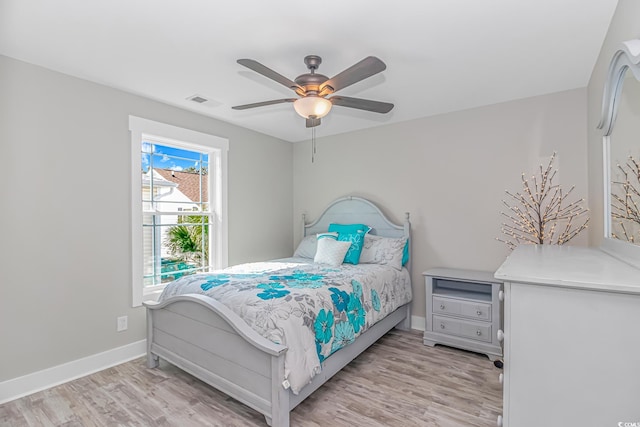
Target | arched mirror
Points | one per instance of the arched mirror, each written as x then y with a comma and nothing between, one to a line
621,125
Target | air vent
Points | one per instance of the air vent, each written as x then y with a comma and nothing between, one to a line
203,100
197,98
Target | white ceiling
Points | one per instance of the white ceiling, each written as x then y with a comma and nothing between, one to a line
441,55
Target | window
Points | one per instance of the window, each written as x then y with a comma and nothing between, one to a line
179,198
174,180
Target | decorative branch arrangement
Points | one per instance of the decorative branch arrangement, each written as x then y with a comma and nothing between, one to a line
624,203
542,214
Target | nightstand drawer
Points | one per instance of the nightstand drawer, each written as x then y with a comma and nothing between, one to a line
471,330
470,310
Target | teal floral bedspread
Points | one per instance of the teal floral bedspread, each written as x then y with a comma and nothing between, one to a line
313,309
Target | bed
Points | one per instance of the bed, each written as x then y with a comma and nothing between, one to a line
199,334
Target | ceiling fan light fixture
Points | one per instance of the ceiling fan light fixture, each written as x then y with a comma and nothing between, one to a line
312,107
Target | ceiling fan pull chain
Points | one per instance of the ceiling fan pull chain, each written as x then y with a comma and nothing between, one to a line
313,144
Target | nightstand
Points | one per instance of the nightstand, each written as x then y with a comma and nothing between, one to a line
464,310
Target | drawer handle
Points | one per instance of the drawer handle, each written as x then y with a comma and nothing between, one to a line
479,313
501,295
441,306
441,325
499,421
500,335
501,379
478,332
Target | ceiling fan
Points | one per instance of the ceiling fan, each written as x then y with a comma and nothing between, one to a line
313,88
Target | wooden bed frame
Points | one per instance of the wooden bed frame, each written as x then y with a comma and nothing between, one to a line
187,330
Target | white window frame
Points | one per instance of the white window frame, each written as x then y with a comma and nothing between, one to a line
218,149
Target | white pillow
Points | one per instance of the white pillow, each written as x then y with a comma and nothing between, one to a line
383,250
308,245
306,248
331,252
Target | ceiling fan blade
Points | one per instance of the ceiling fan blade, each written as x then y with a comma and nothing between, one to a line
362,104
263,103
269,73
311,123
368,67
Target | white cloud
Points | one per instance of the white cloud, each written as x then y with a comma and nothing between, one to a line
148,147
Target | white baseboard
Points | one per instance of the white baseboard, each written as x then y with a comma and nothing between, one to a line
31,383
417,323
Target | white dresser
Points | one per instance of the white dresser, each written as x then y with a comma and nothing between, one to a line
571,338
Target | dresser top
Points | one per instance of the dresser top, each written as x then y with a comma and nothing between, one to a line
570,267
468,275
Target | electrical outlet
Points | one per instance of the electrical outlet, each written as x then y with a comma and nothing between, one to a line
122,324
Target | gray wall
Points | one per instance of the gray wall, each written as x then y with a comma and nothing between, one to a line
64,147
65,258
625,25
450,172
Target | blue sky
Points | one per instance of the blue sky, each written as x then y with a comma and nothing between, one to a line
170,158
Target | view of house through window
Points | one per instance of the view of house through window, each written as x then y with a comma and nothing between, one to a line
176,211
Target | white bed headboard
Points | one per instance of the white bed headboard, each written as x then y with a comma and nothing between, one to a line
352,209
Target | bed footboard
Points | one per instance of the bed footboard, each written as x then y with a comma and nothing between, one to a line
206,339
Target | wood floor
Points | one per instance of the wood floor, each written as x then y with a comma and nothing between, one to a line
396,382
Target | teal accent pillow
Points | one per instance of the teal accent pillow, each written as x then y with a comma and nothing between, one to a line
349,228
357,242
405,253
349,233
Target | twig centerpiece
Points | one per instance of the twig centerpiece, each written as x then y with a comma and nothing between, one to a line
541,213
625,198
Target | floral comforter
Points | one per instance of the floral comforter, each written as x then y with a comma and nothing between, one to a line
313,309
